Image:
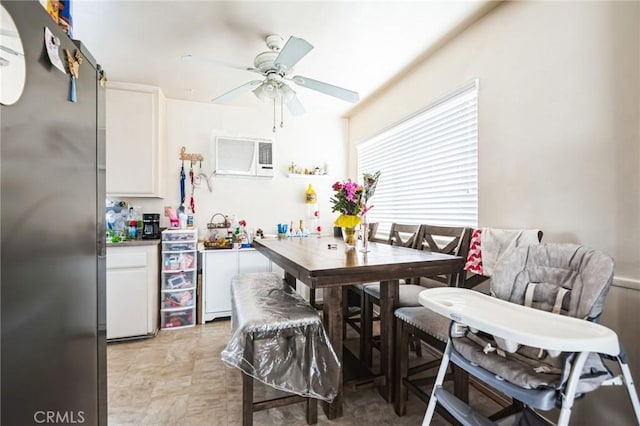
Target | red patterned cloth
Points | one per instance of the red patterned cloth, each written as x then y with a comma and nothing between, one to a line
474,258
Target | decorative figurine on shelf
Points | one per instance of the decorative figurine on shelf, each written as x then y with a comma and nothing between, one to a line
73,62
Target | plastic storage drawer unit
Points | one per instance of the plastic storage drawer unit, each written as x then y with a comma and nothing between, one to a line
179,278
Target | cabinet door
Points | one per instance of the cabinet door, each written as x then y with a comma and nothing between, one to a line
219,269
252,261
133,135
126,302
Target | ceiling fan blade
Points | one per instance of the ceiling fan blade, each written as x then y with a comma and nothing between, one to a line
295,106
192,58
294,49
326,88
237,91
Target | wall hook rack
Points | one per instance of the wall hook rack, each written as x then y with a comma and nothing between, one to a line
194,158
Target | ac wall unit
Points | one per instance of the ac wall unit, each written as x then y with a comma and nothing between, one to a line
243,156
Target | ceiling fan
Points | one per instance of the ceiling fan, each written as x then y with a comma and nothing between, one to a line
276,66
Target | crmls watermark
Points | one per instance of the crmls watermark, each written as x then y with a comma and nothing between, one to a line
58,417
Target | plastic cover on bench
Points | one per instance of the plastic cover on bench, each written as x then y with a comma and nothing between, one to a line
291,349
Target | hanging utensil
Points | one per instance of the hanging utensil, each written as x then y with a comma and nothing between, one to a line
192,201
182,179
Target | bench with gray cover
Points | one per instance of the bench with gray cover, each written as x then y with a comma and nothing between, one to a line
279,339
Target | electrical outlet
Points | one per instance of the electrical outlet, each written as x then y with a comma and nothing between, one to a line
165,211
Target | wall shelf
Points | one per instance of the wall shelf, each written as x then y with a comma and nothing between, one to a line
303,176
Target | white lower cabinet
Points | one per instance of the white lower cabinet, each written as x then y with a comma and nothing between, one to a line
132,291
218,268
252,261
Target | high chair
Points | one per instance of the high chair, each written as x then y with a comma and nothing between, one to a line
537,339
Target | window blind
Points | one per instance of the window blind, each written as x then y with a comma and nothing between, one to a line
428,164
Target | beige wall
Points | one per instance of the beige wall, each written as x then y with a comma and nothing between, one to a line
559,137
558,117
307,141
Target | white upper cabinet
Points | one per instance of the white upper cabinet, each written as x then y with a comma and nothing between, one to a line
135,140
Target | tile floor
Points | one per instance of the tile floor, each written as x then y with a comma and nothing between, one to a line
178,378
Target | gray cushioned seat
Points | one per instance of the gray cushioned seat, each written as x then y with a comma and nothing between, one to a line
426,320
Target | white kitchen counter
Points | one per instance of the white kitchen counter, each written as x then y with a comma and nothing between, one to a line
130,243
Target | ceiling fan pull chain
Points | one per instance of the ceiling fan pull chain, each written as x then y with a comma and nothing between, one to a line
274,115
281,112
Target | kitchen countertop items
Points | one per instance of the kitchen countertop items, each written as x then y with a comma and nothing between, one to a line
129,243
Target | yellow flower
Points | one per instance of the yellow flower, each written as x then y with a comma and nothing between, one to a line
347,221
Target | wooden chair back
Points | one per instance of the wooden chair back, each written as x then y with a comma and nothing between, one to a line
373,229
453,240
404,235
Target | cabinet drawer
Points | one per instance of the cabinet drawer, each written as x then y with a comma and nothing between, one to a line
179,245
178,280
179,235
180,261
178,318
178,299
126,260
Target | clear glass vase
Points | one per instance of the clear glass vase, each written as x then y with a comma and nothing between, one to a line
350,236
364,233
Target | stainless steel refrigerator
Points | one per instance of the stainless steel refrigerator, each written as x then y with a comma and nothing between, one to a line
52,248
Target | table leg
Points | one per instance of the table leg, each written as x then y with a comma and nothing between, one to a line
332,318
388,301
290,279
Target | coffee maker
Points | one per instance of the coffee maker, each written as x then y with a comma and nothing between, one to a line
150,226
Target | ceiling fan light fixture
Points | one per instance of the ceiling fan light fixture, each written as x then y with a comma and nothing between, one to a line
267,91
287,93
271,89
258,91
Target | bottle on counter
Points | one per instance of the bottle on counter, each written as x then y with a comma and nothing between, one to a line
310,195
133,229
313,213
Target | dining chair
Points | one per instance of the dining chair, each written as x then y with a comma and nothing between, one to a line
405,235
417,323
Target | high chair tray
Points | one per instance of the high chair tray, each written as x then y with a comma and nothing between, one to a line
520,324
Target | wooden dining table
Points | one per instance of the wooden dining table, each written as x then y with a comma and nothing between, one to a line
326,263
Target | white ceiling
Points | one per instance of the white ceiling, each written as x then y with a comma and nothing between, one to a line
358,45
